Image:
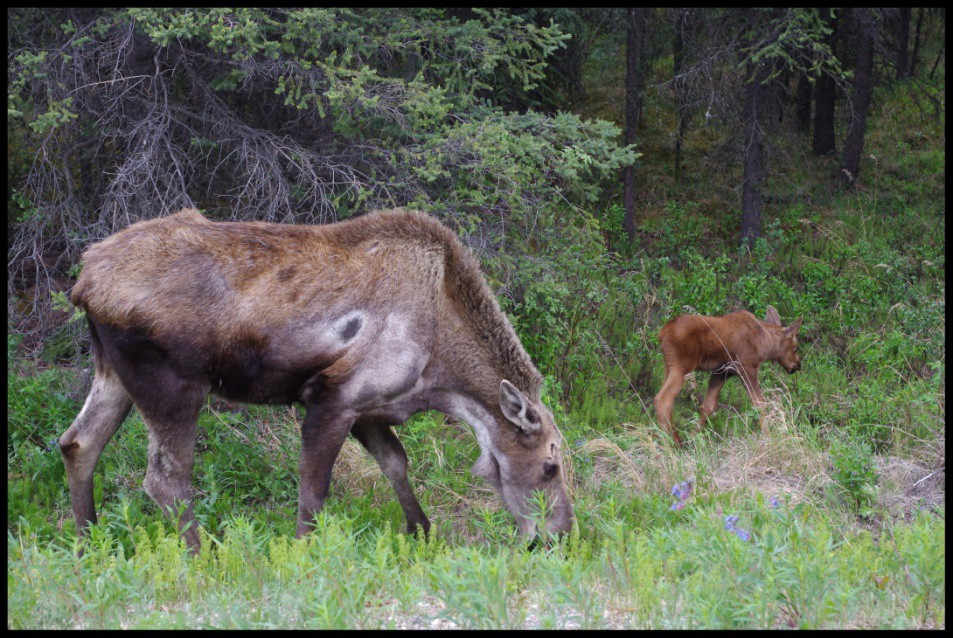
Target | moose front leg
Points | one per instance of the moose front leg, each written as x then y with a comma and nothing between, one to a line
390,455
169,472
749,376
322,435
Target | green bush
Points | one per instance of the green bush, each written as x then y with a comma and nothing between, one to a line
854,473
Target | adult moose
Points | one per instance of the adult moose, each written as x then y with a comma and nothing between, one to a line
733,344
365,322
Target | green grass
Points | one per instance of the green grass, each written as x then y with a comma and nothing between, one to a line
684,570
820,559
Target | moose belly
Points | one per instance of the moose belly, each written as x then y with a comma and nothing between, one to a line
282,364
259,373
264,386
244,368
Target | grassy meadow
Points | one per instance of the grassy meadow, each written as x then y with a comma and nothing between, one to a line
834,517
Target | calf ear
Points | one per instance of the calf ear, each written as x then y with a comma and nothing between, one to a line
793,328
772,317
516,408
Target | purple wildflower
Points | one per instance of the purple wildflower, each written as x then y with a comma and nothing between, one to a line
730,521
775,503
681,491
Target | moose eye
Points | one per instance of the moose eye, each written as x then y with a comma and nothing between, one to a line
549,471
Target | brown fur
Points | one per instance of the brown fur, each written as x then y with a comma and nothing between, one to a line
275,263
365,321
733,344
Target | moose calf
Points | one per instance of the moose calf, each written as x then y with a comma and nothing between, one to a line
733,344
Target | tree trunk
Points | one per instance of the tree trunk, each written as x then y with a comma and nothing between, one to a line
678,84
938,58
916,43
824,96
751,197
860,94
802,103
635,37
903,42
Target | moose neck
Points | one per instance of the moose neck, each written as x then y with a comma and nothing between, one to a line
475,412
770,348
464,381
476,358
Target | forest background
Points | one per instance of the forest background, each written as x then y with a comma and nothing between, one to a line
611,168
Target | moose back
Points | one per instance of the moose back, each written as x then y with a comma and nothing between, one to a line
365,322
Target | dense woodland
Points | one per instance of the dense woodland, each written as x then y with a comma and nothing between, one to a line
611,169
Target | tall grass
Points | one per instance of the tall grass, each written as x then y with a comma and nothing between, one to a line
797,568
813,557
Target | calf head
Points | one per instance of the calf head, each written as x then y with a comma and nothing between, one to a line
527,458
786,347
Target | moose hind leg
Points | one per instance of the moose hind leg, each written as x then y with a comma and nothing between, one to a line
665,401
169,473
82,444
390,455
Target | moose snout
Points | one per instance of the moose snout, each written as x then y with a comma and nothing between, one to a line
557,523
560,523
545,539
794,368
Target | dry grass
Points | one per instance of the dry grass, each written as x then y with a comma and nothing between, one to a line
907,486
774,461
356,472
778,460
649,464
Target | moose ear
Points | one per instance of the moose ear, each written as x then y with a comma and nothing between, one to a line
793,328
772,317
516,408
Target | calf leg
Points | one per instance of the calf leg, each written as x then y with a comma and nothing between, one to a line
322,435
710,403
758,399
82,444
386,448
750,378
665,400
